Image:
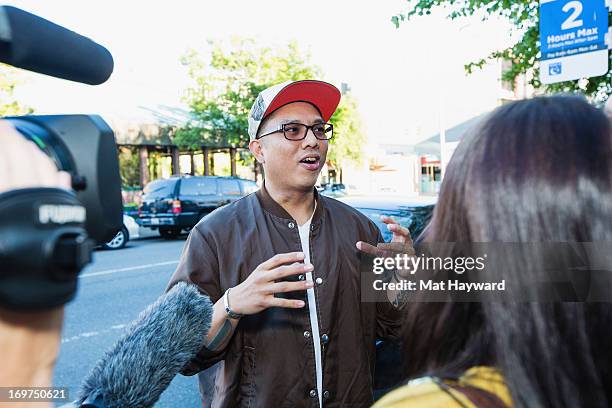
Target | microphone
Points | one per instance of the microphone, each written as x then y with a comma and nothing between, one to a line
33,43
161,341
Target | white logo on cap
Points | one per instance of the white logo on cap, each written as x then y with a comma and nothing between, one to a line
258,108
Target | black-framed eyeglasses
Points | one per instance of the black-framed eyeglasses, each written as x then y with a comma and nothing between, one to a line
298,131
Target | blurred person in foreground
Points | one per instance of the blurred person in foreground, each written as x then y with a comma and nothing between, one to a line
538,170
283,266
29,341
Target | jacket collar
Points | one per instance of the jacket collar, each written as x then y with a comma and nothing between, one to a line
271,206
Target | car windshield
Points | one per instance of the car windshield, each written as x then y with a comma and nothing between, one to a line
159,189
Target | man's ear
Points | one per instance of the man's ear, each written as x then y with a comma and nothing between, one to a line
256,148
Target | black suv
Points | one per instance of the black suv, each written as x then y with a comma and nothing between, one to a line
178,203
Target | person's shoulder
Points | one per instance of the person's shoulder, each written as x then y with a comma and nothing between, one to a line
342,211
423,392
222,218
480,381
340,208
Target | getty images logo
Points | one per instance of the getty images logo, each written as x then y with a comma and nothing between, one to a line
60,214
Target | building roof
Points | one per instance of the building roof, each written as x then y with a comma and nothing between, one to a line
452,135
150,126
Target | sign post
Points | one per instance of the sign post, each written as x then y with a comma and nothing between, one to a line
573,39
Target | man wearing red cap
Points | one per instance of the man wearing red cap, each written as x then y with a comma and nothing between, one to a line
283,266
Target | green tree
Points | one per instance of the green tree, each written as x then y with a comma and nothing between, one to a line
349,139
129,167
9,79
525,53
227,80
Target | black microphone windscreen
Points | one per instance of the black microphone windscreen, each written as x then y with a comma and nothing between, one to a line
33,43
141,365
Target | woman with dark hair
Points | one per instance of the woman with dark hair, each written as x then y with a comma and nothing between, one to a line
537,170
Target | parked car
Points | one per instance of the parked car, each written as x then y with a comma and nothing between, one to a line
178,203
411,212
127,232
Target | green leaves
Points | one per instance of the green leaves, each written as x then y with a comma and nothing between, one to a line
9,78
349,139
129,166
396,20
226,82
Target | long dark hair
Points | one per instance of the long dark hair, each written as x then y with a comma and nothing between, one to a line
534,171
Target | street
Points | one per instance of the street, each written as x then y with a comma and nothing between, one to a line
113,290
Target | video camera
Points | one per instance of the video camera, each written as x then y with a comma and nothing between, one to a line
47,235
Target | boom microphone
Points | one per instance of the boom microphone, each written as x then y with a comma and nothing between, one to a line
33,43
141,365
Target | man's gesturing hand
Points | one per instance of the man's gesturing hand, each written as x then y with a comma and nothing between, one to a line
256,293
401,243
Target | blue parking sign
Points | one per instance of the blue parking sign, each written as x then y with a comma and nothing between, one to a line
571,24
573,39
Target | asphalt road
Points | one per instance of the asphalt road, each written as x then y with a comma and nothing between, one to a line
112,292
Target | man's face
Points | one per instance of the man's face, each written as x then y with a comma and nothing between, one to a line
291,164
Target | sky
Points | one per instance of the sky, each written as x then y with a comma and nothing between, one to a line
408,81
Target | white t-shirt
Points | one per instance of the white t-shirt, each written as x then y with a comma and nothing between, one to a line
304,232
